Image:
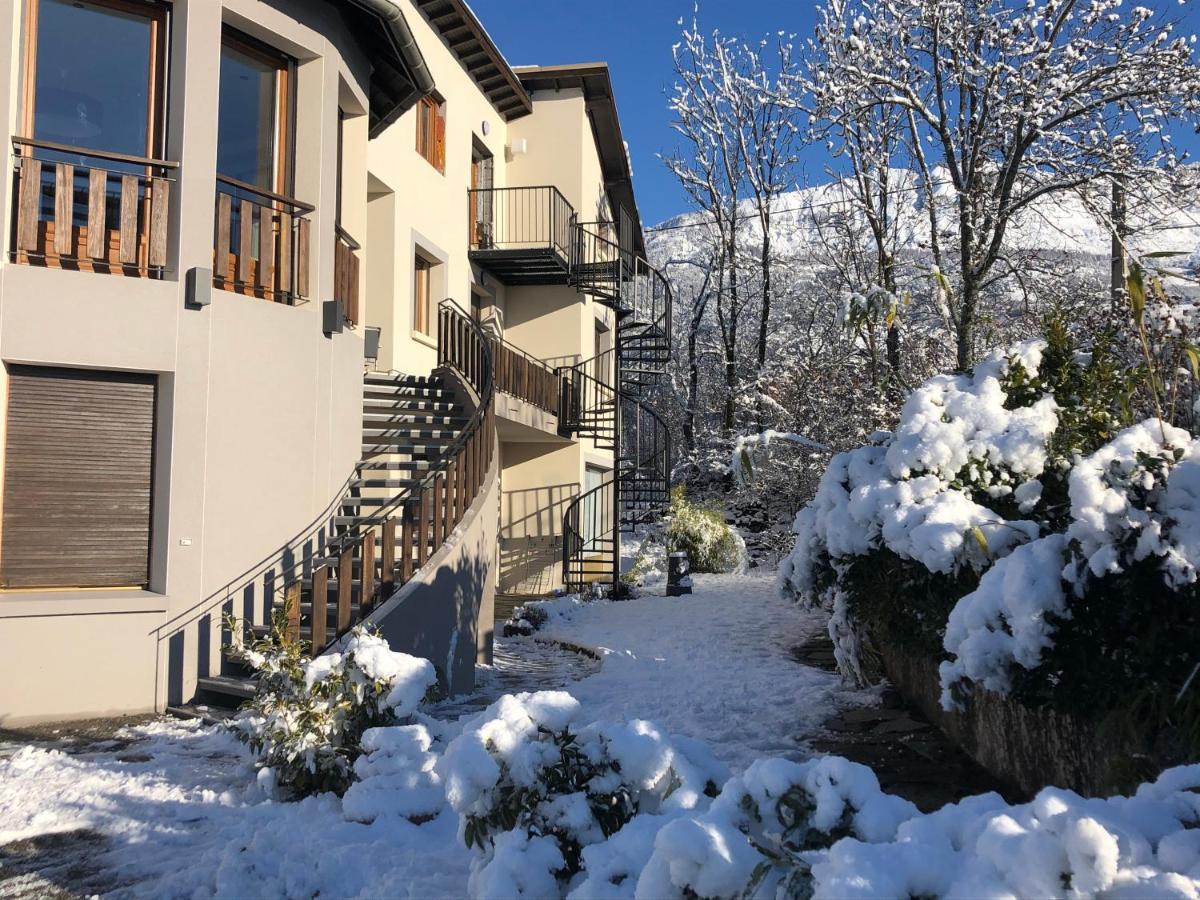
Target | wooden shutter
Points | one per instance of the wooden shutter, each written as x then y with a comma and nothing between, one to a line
77,479
439,147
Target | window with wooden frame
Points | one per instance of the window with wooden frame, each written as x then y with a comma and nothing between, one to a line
262,236
431,131
91,135
423,296
254,113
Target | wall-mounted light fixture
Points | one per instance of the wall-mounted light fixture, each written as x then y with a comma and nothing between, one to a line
486,128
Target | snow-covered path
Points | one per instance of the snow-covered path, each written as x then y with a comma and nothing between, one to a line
715,665
178,813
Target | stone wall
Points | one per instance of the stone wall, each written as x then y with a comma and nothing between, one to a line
1027,747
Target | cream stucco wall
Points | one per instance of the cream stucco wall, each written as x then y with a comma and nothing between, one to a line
430,208
259,419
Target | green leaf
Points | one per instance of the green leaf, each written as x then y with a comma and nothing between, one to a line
747,465
1193,358
981,539
1137,292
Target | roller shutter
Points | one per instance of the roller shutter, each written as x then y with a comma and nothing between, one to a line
77,479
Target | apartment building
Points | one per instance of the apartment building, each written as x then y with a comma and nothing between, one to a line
316,310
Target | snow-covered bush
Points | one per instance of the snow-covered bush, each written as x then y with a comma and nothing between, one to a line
756,838
534,615
1011,529
535,788
307,718
700,531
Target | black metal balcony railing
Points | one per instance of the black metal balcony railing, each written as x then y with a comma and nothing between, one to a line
600,265
522,234
90,210
262,243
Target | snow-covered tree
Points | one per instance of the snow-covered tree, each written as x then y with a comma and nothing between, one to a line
1005,103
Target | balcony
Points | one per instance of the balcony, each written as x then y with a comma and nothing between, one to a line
89,210
522,235
262,244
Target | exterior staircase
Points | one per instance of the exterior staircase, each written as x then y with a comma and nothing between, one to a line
424,459
610,400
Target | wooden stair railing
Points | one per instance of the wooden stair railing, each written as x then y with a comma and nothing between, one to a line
413,525
109,215
262,243
525,377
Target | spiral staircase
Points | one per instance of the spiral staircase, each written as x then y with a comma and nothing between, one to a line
608,398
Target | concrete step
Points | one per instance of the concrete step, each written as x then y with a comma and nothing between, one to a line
412,405
385,433
388,378
400,419
384,392
227,686
407,446
382,465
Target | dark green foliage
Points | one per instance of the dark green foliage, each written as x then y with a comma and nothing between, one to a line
1124,656
573,771
902,601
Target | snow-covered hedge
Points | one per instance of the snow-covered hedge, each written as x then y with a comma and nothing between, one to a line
554,807
536,788
1011,526
308,717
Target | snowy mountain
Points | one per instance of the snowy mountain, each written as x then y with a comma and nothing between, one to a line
1061,224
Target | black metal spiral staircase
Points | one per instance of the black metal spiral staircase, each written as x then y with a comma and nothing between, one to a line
608,398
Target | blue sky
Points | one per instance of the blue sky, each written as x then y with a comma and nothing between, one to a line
635,38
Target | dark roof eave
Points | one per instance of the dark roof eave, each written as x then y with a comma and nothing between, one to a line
413,79
509,98
594,80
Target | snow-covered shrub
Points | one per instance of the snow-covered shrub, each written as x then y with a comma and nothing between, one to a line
535,788
1060,844
307,718
1011,529
700,531
534,615
758,836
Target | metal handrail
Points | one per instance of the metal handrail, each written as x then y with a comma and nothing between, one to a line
545,222
94,154
342,234
298,205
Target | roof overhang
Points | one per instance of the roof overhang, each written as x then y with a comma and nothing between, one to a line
593,79
478,54
399,75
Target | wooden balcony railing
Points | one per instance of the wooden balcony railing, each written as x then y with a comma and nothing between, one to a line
109,215
345,274
262,243
524,377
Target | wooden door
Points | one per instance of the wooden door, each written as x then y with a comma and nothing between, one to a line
78,474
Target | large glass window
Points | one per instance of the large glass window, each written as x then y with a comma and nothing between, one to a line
252,122
94,74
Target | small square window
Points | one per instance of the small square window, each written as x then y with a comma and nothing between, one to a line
431,131
423,296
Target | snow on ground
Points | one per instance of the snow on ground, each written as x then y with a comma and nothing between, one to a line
714,665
